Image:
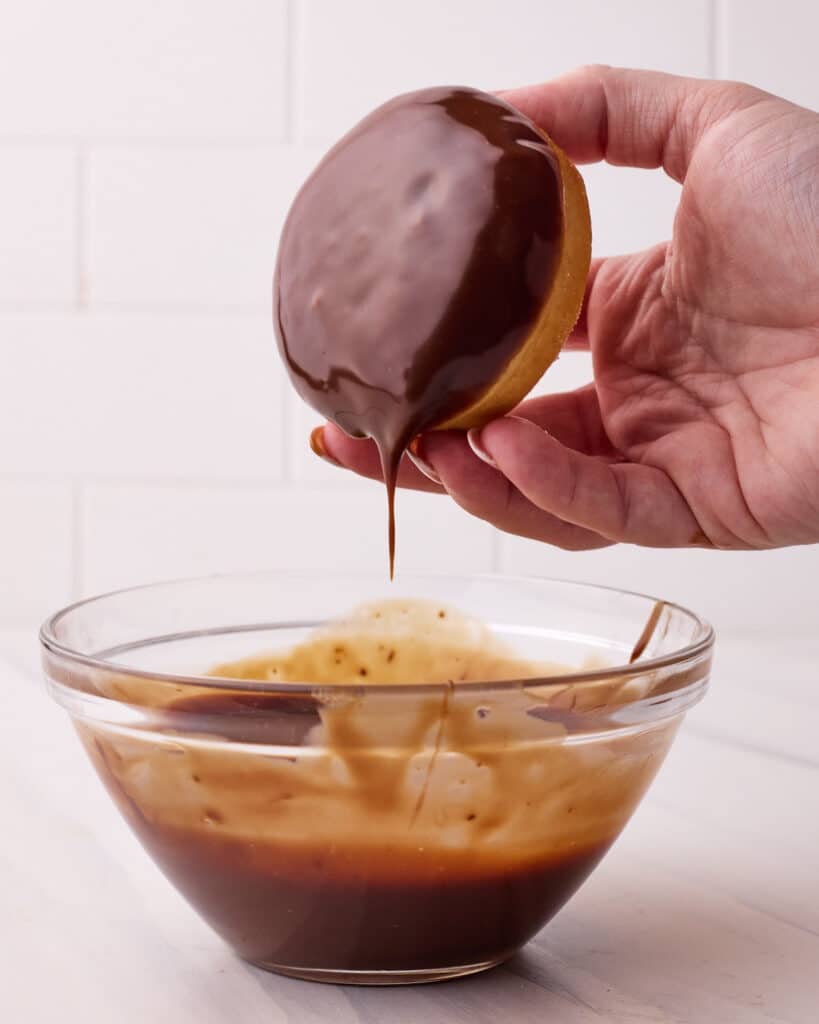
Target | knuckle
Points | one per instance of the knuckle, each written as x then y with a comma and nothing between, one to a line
474,504
723,98
739,91
623,509
595,70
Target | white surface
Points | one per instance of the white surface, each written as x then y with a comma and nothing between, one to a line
393,47
130,534
763,590
143,396
147,154
194,226
38,218
772,45
36,545
705,912
631,209
179,69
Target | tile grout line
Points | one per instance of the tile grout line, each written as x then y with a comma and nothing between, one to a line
292,31
125,309
170,143
714,36
77,545
81,279
348,485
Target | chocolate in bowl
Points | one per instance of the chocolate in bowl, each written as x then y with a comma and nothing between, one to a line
418,821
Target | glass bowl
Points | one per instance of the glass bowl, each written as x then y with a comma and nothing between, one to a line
408,795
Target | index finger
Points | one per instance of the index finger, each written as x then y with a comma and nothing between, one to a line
628,117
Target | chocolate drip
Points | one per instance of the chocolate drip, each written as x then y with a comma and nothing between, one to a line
413,264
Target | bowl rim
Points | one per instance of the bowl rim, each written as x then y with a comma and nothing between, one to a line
697,648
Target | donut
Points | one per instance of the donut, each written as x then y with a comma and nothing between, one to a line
430,268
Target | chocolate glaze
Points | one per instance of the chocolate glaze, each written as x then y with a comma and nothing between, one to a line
414,262
371,909
378,830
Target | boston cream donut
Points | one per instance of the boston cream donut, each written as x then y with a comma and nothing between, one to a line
430,269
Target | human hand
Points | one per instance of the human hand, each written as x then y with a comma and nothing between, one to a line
702,424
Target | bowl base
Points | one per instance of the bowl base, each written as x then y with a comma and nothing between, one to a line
417,977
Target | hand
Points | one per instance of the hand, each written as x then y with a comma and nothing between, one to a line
702,425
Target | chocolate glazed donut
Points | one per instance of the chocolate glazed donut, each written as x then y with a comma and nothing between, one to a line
429,269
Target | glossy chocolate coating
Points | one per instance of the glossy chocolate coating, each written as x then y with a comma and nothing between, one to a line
418,823
374,910
414,263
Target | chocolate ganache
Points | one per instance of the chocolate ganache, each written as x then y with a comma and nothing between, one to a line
414,263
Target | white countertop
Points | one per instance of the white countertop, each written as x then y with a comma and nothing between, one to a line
705,912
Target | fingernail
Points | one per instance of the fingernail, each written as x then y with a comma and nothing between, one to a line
476,444
420,463
317,446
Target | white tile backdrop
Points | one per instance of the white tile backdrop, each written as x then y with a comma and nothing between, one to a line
148,152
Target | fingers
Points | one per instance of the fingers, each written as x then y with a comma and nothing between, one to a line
622,502
361,457
573,418
487,494
630,118
477,488
565,487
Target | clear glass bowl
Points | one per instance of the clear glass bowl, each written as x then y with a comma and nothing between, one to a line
406,826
